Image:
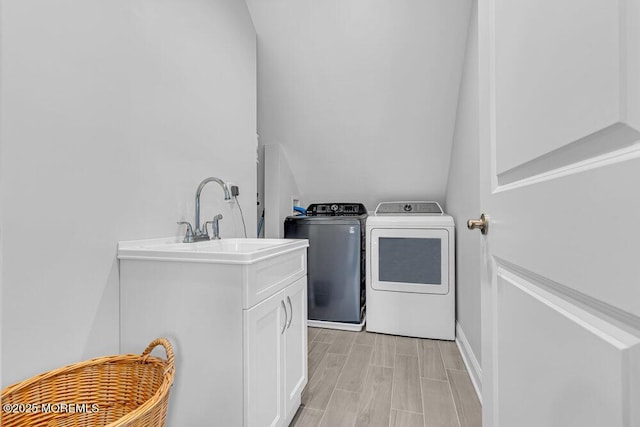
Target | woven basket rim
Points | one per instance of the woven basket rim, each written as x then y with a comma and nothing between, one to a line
20,385
144,358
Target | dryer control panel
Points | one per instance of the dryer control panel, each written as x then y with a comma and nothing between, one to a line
409,208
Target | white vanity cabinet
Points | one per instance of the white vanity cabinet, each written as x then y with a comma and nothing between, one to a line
235,311
275,356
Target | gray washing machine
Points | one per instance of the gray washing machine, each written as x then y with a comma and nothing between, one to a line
335,260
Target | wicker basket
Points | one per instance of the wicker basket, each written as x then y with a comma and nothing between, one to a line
115,391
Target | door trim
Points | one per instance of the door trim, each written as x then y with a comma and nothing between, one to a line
622,319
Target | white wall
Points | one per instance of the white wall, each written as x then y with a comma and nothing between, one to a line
279,190
463,193
361,93
112,111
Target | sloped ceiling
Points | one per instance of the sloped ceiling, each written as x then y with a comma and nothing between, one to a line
361,94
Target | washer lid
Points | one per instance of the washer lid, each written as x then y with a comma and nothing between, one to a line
409,208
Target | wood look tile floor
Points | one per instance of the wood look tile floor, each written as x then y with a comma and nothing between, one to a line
368,379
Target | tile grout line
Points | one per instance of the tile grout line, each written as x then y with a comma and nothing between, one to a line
305,388
443,367
319,362
420,362
393,378
410,412
334,386
455,406
434,379
315,339
316,373
318,334
362,392
420,377
424,410
365,375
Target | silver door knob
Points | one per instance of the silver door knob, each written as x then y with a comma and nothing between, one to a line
482,224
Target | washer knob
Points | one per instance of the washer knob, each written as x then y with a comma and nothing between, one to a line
334,208
407,208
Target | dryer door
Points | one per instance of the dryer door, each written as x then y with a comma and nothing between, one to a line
410,260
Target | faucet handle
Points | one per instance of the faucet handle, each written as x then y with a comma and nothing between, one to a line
188,237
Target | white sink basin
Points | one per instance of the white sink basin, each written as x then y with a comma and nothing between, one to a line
230,251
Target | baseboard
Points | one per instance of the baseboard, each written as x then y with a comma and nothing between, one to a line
470,360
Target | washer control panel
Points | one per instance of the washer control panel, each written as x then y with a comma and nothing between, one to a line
409,208
336,209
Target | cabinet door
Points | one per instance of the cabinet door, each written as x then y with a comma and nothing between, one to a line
264,351
295,361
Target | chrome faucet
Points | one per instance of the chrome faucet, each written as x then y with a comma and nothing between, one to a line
201,234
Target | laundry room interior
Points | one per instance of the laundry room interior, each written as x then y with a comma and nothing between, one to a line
399,155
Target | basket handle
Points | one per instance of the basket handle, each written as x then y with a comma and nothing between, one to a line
167,348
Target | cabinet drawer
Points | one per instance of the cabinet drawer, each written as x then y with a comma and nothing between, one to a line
265,278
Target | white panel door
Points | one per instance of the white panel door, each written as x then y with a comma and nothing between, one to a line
265,324
560,164
295,360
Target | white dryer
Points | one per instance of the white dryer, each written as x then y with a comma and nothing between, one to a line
410,270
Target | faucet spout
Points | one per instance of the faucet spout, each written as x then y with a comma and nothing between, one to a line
200,234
